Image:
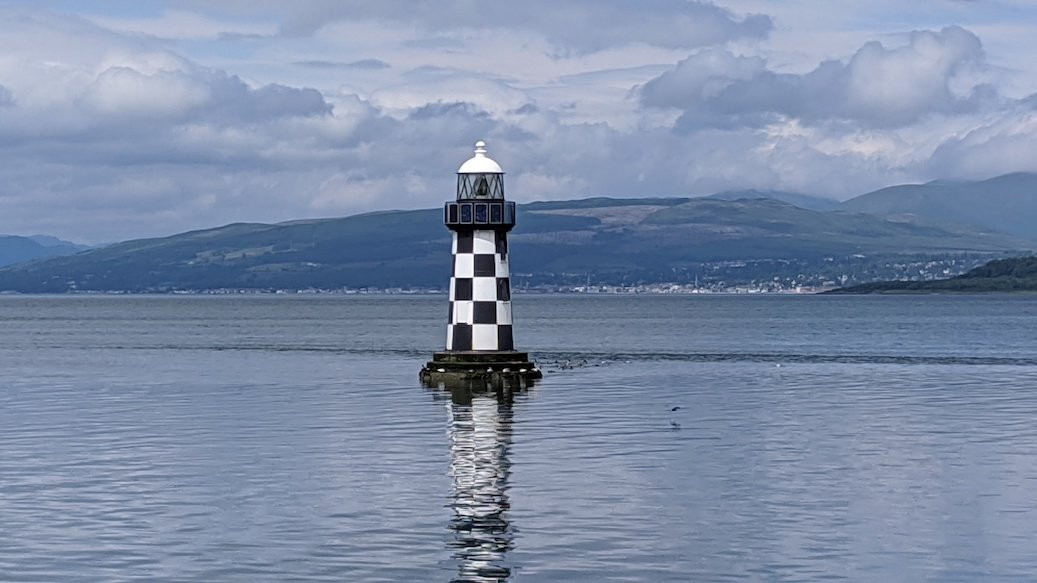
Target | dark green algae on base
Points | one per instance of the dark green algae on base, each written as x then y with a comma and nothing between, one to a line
452,367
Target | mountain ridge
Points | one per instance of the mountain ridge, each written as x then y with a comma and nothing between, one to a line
806,201
18,249
1005,203
600,239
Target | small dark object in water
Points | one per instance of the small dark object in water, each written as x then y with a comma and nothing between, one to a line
675,408
675,426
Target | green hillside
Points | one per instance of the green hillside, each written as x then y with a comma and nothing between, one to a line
606,240
814,203
16,249
1006,204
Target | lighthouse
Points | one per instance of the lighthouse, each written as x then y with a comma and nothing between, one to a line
480,340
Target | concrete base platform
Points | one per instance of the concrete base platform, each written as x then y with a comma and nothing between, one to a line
454,368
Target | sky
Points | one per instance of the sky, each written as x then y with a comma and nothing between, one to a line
126,118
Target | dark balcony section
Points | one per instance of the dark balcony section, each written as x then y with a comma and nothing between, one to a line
489,214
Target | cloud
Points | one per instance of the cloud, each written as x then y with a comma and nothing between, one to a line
124,91
106,127
876,87
181,24
579,25
700,79
1000,146
362,64
435,85
198,92
108,136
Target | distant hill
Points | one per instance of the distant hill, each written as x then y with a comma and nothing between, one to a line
607,240
602,202
814,203
1000,275
1006,204
60,244
16,249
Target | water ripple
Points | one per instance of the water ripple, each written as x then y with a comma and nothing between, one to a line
145,442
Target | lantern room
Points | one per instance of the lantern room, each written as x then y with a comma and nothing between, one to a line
480,196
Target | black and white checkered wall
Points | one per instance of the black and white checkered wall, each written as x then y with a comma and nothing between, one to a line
480,293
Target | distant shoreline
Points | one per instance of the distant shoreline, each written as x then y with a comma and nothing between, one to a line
398,293
927,292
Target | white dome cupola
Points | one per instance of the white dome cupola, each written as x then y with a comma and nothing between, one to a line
480,163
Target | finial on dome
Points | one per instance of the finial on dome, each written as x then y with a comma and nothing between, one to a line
480,163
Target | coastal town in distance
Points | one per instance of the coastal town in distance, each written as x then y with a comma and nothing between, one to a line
725,277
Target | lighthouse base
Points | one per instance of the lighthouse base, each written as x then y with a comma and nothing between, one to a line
458,367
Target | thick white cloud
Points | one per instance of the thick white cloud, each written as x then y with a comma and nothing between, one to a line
1003,145
125,91
876,87
106,136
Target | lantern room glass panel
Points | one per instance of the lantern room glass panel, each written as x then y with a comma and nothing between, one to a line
480,186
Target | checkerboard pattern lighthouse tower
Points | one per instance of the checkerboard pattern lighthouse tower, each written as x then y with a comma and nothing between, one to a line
479,338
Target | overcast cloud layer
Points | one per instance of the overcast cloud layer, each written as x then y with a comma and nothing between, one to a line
120,121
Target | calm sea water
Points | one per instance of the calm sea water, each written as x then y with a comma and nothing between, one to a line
286,438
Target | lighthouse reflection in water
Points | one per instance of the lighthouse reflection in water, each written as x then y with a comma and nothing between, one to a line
480,434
